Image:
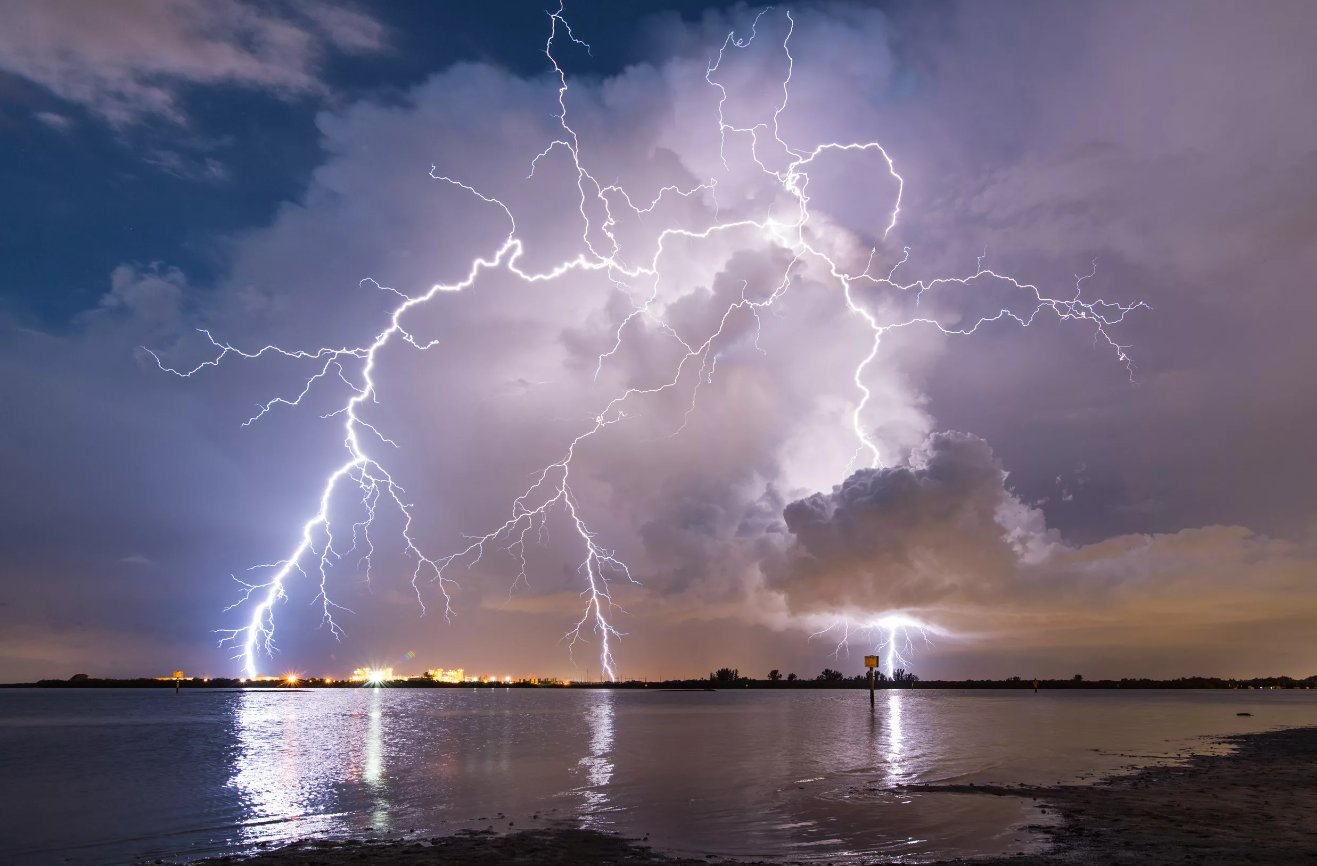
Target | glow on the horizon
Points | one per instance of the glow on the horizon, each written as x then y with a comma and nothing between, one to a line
891,634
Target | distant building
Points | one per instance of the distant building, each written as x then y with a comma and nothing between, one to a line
450,675
372,675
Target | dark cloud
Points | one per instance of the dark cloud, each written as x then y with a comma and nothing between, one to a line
945,539
913,536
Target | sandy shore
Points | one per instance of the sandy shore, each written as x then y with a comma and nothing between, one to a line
1257,805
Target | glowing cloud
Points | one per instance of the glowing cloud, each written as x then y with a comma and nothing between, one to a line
777,222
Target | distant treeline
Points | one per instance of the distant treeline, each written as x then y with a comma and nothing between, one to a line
902,679
724,678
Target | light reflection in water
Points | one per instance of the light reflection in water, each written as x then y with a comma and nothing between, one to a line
270,766
598,762
290,766
738,772
895,744
374,761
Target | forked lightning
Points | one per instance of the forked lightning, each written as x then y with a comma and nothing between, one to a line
364,470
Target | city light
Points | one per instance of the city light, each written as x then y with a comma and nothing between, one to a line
373,676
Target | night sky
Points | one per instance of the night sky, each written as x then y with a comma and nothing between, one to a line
243,167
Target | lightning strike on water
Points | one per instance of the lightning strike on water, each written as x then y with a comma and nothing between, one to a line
320,543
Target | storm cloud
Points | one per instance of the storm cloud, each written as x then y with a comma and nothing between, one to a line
1083,513
945,538
940,531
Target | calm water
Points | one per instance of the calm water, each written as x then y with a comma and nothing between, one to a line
92,776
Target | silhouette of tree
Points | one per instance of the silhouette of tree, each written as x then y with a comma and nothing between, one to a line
774,675
725,675
791,678
830,676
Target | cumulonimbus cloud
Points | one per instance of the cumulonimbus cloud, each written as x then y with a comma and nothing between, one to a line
945,537
735,517
927,533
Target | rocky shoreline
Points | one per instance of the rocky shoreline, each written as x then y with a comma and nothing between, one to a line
1254,805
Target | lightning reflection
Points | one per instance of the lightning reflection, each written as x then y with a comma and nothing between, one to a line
895,738
597,764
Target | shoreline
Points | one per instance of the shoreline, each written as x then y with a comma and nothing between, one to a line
858,682
1253,804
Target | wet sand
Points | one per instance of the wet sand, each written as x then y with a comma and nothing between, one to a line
1256,805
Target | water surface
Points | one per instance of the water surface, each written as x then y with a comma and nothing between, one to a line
92,776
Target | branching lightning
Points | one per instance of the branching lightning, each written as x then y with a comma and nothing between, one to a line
892,636
364,471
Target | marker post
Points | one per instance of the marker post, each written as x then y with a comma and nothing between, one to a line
871,662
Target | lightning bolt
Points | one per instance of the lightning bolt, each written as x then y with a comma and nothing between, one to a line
892,636
364,471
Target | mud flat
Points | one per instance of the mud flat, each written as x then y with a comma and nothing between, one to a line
1255,805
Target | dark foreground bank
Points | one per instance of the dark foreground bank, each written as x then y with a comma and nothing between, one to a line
1253,806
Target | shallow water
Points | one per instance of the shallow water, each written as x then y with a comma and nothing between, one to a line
105,776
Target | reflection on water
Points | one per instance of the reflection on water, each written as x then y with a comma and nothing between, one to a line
810,775
289,764
888,737
265,771
278,767
597,764
374,764
895,738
